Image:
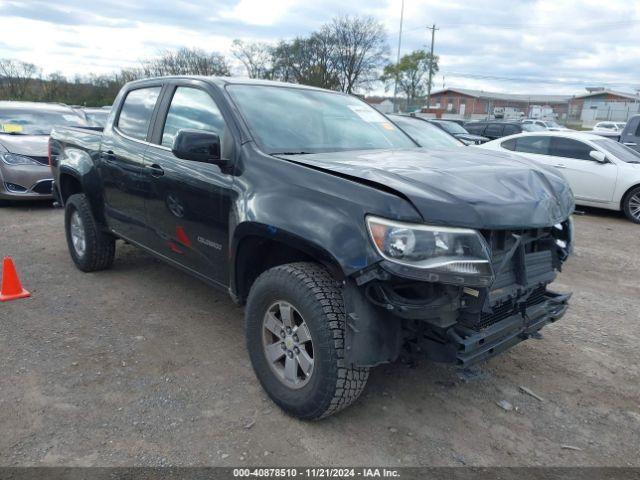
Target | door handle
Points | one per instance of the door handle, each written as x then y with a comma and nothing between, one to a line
630,144
560,165
156,170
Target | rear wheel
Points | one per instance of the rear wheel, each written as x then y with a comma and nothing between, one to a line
631,205
295,324
91,249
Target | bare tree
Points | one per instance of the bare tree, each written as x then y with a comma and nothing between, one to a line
309,61
53,87
256,58
360,50
17,78
186,61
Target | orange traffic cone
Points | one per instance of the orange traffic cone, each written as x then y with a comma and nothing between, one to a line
11,287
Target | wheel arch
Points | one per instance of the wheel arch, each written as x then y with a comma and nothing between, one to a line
257,247
626,193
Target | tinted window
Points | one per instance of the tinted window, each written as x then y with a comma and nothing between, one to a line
510,130
476,128
136,112
493,130
509,144
569,148
538,145
194,109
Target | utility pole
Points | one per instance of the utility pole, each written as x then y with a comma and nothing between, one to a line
395,85
433,37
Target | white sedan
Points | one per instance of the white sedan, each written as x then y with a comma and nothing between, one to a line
610,126
602,172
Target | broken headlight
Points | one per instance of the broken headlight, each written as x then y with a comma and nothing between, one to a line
432,253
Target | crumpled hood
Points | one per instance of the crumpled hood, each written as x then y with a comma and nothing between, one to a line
466,187
31,145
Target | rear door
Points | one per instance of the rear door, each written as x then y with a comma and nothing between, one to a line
493,131
631,133
188,202
475,128
121,163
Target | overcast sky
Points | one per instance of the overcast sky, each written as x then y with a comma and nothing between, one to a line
521,46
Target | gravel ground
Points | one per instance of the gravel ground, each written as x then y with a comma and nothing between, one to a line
144,365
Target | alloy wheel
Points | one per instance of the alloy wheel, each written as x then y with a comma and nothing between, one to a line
287,344
78,236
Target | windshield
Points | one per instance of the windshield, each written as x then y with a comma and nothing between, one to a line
36,122
426,134
530,127
452,127
296,120
553,124
621,152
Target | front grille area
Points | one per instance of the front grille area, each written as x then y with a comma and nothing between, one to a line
509,308
43,187
524,262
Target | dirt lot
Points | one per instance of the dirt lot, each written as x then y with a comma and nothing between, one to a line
145,365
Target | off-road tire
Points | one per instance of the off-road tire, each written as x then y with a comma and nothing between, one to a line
318,298
100,246
625,204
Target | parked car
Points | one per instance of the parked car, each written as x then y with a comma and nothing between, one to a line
630,136
24,132
602,172
492,129
424,133
550,125
347,243
95,117
610,126
459,132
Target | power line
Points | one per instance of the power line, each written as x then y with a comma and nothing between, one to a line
509,26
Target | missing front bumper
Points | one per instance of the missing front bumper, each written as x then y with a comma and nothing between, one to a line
472,346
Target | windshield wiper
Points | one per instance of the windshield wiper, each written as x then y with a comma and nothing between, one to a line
13,133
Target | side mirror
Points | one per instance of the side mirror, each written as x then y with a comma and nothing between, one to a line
197,145
598,156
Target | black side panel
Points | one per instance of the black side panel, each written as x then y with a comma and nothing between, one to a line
372,335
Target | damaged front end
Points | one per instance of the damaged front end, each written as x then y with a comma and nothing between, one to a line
458,309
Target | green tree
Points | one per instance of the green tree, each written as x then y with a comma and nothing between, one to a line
412,74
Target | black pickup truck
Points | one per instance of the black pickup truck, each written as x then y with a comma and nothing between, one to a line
349,245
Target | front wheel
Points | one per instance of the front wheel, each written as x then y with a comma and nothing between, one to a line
631,205
91,249
295,323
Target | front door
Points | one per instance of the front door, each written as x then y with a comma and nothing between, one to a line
590,180
121,164
188,202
